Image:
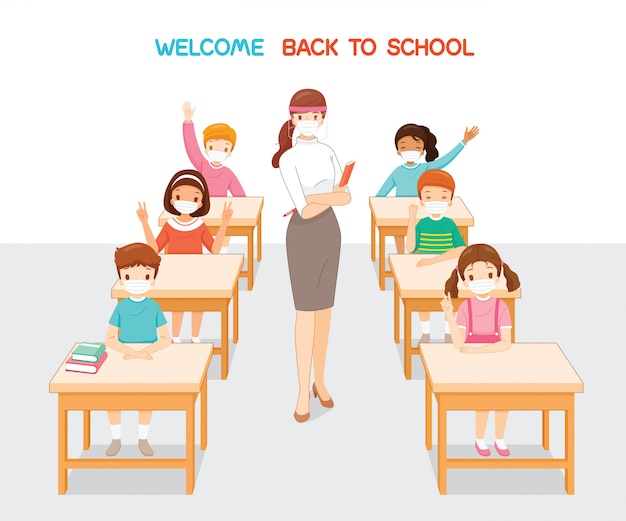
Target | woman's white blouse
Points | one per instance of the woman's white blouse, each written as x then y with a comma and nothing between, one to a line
309,167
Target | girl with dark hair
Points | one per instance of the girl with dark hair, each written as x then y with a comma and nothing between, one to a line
310,171
187,198
483,323
416,144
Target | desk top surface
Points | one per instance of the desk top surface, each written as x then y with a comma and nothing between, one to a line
246,211
526,367
429,281
193,276
177,368
394,211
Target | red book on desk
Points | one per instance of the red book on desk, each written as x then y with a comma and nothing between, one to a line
85,367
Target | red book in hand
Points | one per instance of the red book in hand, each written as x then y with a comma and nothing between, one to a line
85,367
345,177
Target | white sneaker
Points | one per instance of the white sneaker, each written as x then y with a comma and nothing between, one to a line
196,339
176,339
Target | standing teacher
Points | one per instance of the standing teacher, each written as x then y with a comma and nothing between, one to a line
310,170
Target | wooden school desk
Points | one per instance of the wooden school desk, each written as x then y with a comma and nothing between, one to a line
198,283
391,216
422,288
170,381
246,217
534,377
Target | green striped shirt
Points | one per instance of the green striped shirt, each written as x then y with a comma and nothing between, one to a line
439,236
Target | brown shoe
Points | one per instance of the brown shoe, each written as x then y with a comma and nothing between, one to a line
114,448
329,404
301,418
145,448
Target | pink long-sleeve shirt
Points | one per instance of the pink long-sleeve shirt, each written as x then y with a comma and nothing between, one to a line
219,179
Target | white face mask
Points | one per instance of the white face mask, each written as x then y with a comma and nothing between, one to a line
137,287
481,286
436,207
216,156
307,127
413,156
185,207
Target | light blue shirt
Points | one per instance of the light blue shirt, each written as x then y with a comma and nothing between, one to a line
138,321
405,177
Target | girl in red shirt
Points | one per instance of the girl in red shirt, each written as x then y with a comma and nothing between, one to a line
187,199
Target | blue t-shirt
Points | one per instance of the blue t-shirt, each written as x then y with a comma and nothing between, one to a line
405,177
138,321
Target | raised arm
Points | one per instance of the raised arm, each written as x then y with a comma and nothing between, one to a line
189,137
219,236
446,159
142,213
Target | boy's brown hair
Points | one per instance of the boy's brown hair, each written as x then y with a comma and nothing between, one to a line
439,178
136,254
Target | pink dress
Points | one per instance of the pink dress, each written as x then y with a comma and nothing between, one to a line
483,319
219,179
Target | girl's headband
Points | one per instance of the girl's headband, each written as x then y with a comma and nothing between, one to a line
188,176
300,108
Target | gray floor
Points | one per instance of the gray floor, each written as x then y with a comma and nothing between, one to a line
366,458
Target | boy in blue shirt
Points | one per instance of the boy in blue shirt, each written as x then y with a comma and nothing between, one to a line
136,319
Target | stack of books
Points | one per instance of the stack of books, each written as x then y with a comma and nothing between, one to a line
86,357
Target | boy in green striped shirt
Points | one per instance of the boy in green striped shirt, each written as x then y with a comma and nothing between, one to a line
434,234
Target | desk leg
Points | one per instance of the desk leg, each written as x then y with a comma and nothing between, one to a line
463,230
396,313
408,334
224,346
258,238
429,414
204,412
236,314
190,458
442,456
373,238
510,303
86,430
381,260
569,446
250,259
545,429
62,441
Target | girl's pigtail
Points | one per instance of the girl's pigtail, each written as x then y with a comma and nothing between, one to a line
452,284
512,280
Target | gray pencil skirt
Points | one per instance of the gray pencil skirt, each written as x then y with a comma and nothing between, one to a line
313,247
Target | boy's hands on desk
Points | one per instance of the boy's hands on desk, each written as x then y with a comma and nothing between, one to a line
138,354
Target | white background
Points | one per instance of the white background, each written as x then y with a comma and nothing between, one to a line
91,114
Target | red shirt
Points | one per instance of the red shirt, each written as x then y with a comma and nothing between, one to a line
182,237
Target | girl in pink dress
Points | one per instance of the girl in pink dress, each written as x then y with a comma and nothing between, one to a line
483,323
187,199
